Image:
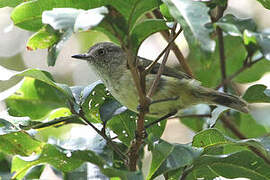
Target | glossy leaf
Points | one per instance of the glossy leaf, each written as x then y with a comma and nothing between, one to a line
69,18
54,50
28,15
168,157
241,164
213,138
235,26
35,99
257,94
144,29
193,17
260,40
44,38
92,98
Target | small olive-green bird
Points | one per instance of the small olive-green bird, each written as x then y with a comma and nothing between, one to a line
176,90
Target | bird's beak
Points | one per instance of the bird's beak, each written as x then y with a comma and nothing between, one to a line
82,56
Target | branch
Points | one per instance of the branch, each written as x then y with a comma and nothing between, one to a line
229,124
179,55
150,67
222,57
243,68
101,133
161,67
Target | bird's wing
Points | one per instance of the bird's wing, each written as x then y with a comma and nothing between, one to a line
170,72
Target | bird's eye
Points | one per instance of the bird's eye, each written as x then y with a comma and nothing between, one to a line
101,52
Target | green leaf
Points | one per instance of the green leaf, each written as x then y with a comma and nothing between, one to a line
44,38
124,125
235,26
47,78
54,50
92,98
28,15
257,94
10,3
35,99
108,110
235,53
265,3
168,157
165,12
144,29
70,18
241,164
260,40
19,143
213,138
132,10
193,16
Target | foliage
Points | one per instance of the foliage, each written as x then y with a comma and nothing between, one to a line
42,105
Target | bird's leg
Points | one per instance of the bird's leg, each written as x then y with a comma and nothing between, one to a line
160,119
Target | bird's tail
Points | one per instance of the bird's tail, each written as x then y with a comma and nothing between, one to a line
224,99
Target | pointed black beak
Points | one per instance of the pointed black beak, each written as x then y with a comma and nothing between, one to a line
81,56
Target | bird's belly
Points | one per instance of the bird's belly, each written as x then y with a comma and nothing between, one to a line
125,92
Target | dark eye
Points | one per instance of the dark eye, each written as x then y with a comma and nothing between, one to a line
101,52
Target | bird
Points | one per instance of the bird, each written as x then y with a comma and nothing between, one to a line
176,91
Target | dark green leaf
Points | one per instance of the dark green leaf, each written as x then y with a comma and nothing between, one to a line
193,16
144,29
265,3
54,50
257,94
235,26
35,172
107,110
28,15
10,3
168,157
43,39
241,164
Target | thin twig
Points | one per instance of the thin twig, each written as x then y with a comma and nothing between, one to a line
179,55
161,67
192,116
229,124
108,140
150,67
222,57
244,67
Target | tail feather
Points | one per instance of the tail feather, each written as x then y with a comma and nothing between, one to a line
225,99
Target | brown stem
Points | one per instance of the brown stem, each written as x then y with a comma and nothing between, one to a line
150,67
222,57
161,67
179,55
229,124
